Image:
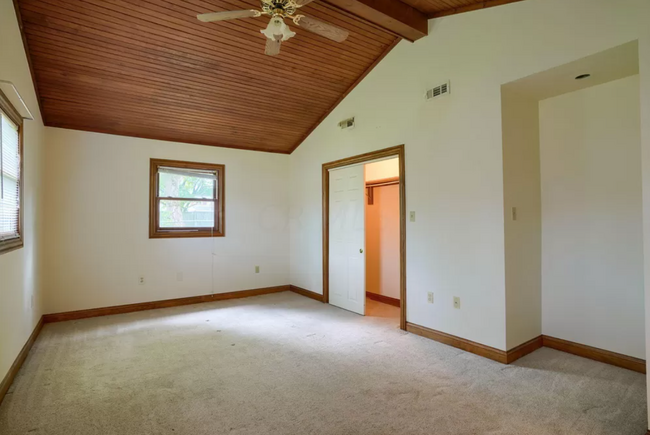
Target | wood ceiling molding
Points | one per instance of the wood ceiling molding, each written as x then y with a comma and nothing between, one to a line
150,69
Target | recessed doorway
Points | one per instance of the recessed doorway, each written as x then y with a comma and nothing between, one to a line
350,186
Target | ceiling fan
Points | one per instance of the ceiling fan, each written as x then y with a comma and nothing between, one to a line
277,31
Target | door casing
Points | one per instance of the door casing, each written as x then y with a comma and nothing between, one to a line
397,151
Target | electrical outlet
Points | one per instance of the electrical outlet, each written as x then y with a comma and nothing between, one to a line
430,297
412,216
141,280
457,302
257,269
179,276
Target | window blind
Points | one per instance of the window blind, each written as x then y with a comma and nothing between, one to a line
9,180
197,173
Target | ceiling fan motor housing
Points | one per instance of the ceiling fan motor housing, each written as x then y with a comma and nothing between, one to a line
283,8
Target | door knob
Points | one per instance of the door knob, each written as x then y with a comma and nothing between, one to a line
361,251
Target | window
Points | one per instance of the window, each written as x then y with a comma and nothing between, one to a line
186,199
11,180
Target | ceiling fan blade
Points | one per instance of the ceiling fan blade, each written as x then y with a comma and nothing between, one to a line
227,15
273,46
321,28
301,3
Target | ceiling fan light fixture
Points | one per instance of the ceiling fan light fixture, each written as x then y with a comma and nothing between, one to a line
278,29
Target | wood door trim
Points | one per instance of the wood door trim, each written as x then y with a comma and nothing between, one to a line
383,299
396,151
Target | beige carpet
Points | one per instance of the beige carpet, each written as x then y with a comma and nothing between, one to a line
285,364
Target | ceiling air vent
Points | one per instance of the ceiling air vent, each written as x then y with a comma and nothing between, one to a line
438,91
346,123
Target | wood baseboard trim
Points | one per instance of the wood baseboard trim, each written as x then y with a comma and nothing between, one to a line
605,356
460,343
479,349
384,299
308,293
523,349
20,359
143,306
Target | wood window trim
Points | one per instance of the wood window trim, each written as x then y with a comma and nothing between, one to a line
10,111
220,216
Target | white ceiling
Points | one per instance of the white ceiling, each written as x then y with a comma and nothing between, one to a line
613,64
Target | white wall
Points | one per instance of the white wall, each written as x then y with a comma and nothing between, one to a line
522,232
381,170
19,270
644,95
97,236
382,241
592,240
454,169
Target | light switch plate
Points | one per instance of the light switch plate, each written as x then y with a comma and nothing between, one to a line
412,216
457,302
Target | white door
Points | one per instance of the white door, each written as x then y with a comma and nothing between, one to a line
347,262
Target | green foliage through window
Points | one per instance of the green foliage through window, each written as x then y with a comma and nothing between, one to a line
190,213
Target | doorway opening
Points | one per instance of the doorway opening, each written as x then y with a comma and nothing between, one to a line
364,234
382,239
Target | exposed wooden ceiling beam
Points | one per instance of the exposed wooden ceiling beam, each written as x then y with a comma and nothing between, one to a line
400,18
479,5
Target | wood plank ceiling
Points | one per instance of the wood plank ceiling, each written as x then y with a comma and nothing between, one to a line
150,69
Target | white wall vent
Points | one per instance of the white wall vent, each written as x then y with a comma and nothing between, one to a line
346,123
438,91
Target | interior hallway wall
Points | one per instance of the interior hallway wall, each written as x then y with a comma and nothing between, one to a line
592,236
20,270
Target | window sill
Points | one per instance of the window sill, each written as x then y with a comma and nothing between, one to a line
11,245
183,234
